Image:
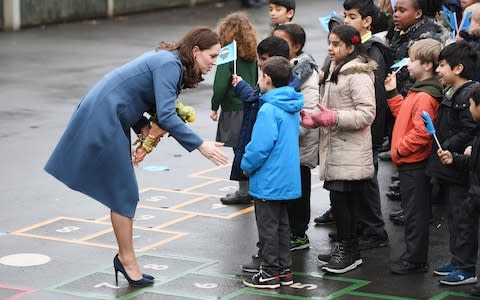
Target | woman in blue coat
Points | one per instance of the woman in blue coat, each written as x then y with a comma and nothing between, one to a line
93,155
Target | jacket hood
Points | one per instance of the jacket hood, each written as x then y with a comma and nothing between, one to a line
357,66
431,86
285,98
303,66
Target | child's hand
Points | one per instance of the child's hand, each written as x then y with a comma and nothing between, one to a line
445,156
214,115
236,79
390,82
307,120
468,150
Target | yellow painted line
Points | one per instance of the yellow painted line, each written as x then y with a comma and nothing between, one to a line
165,241
188,202
96,234
199,174
183,192
239,213
103,220
37,225
203,184
175,221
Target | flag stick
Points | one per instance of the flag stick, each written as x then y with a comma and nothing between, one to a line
235,60
438,143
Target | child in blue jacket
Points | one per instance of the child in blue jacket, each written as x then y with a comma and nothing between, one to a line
271,160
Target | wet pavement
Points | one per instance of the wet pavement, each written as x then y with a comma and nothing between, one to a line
58,244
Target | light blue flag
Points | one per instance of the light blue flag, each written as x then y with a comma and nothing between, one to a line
467,21
400,64
324,20
227,54
451,18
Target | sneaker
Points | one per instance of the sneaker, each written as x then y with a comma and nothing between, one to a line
236,198
253,266
372,242
402,267
444,269
263,280
286,277
342,259
459,277
299,243
323,259
326,218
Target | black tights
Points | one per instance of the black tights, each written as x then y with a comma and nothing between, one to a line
344,208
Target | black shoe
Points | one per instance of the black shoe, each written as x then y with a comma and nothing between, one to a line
263,280
323,259
394,186
393,196
402,267
396,213
253,266
235,198
342,259
286,277
400,220
475,291
371,242
333,236
326,218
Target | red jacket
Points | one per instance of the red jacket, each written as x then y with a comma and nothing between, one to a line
411,142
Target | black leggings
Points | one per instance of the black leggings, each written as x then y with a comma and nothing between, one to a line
345,209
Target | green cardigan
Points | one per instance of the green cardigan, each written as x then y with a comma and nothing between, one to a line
223,92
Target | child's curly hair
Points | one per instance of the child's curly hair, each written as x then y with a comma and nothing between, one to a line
236,26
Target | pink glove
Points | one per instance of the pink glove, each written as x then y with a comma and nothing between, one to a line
325,117
307,120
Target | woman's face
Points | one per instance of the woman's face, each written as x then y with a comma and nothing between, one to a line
406,14
206,59
337,49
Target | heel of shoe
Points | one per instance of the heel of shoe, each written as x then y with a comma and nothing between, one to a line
118,266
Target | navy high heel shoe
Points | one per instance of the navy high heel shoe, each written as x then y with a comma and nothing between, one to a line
145,281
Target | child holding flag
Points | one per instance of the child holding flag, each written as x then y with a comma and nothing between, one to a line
455,130
237,35
469,163
411,148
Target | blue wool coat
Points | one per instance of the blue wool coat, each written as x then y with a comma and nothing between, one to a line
93,156
272,158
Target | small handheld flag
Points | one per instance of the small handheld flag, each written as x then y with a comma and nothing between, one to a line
467,21
324,20
430,128
228,54
399,65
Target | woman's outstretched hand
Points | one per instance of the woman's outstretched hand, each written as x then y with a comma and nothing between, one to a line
211,151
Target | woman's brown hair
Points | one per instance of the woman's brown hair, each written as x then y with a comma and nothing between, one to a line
202,37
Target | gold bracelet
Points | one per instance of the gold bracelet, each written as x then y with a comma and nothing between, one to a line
140,139
149,143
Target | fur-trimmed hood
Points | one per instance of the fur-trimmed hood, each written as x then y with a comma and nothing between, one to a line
303,66
358,66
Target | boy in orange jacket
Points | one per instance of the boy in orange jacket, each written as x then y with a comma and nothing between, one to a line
411,148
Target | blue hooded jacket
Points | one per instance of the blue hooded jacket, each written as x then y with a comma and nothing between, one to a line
272,157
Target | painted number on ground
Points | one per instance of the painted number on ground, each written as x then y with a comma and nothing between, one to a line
68,229
307,286
206,285
106,284
156,267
